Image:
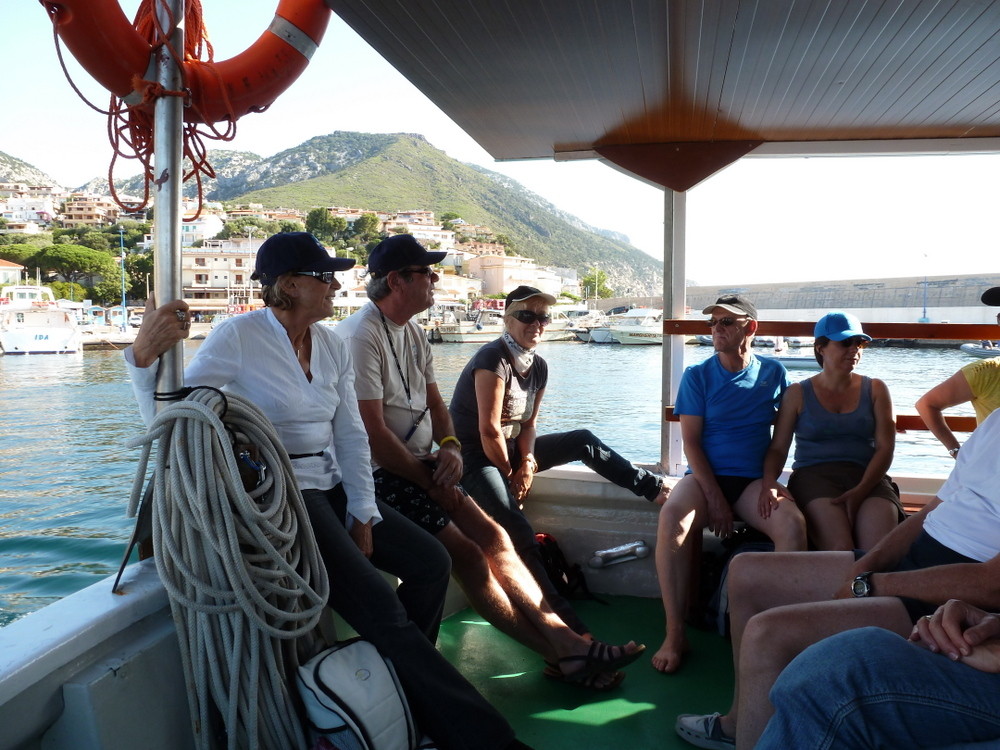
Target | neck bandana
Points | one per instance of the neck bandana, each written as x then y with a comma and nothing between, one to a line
523,358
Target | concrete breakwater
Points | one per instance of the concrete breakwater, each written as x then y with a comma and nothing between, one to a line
911,299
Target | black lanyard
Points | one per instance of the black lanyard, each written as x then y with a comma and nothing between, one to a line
395,357
402,376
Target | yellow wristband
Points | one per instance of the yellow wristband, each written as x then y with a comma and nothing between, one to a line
450,439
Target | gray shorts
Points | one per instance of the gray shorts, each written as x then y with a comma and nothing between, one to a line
833,480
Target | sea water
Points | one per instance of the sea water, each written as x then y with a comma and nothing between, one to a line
65,473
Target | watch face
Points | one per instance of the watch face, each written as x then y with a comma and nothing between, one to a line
860,588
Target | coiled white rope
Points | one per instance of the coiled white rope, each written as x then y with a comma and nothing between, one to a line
242,570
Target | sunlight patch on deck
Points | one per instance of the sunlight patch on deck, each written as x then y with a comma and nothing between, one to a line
597,714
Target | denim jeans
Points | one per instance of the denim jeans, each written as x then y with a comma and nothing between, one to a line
487,487
870,688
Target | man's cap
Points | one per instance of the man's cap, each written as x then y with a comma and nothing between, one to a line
400,251
991,297
838,326
527,292
294,251
734,303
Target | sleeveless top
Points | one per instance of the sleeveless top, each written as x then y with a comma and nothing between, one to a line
822,436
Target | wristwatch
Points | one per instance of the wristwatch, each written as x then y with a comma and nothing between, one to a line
862,585
953,452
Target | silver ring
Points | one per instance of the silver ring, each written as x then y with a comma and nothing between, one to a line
928,618
181,315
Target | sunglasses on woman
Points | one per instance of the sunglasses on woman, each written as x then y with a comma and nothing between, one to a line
528,317
325,276
857,341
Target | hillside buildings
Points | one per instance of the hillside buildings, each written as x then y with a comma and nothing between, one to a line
216,273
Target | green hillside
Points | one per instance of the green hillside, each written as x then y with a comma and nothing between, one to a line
405,172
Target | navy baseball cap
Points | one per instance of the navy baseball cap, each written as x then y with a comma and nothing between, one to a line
527,292
400,251
294,251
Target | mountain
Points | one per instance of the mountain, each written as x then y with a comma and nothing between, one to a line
402,171
13,169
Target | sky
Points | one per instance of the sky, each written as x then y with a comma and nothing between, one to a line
757,221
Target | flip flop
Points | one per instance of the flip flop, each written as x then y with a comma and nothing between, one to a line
599,659
552,672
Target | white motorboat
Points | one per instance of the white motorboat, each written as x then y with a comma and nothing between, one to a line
980,351
794,362
488,326
31,322
641,325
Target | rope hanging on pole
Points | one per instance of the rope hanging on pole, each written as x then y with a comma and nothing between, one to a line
241,569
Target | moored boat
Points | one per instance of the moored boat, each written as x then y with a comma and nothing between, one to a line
488,326
793,362
31,322
639,326
980,351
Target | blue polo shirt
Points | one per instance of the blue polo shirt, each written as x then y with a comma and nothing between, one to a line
737,408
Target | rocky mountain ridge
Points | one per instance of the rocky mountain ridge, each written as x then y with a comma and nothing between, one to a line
403,171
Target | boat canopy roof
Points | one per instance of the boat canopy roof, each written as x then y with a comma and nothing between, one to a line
671,92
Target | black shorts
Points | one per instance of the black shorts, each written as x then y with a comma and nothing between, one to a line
732,487
926,552
411,500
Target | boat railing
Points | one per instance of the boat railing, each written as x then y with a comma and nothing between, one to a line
879,331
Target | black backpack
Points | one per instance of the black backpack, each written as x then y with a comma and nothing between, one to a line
567,578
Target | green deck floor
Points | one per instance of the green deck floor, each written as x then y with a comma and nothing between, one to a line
551,716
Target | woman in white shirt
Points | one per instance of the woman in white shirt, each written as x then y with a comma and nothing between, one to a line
300,375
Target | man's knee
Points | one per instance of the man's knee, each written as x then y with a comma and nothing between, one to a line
788,528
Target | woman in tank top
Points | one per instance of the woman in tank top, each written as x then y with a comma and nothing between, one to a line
845,434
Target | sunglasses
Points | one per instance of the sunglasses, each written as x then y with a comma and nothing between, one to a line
424,270
723,321
528,317
325,276
853,341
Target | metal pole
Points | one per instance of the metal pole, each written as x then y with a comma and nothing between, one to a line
121,247
674,303
168,124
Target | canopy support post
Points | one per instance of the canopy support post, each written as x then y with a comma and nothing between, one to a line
674,307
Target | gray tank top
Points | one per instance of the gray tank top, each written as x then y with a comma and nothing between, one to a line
823,437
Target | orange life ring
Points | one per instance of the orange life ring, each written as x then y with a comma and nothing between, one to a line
105,43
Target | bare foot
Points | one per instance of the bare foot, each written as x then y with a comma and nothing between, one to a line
670,655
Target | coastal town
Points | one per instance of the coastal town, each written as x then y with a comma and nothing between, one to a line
216,271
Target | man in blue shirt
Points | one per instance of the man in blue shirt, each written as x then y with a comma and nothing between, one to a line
726,405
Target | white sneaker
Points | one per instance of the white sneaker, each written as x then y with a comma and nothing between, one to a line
703,730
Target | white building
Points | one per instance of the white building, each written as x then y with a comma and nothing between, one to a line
10,273
501,273
25,208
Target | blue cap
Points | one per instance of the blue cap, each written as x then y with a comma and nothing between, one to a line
400,251
294,251
838,326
